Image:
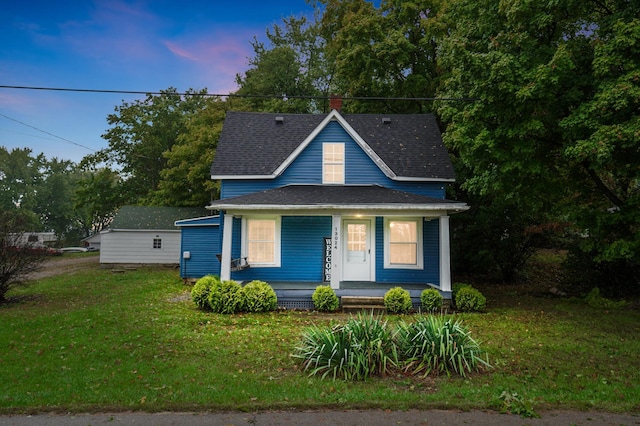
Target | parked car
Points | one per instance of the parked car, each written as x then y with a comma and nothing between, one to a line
74,249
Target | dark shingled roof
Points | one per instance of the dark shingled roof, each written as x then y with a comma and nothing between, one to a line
254,144
322,195
149,217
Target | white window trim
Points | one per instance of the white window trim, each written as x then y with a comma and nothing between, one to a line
324,163
419,243
277,241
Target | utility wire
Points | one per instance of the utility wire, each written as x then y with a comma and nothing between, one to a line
234,95
48,133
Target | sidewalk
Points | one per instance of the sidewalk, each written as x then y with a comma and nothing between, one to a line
315,418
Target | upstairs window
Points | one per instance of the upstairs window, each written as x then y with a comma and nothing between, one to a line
333,163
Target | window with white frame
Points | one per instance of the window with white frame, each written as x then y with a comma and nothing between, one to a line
333,163
157,243
261,244
403,243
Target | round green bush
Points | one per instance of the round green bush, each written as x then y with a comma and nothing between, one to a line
469,299
325,299
258,296
397,301
457,286
225,297
431,300
200,291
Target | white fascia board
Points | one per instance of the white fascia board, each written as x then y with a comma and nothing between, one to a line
444,207
242,177
195,219
421,179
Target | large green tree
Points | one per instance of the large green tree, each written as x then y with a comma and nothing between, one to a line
554,124
142,132
289,72
186,180
389,51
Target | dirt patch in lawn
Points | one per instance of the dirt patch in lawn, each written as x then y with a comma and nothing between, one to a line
63,265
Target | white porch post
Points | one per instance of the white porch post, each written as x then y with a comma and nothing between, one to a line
445,255
336,251
225,258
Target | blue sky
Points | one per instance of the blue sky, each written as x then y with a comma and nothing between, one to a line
136,45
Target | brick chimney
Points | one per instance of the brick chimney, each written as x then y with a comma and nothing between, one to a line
335,102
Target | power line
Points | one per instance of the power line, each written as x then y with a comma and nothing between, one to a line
48,133
235,95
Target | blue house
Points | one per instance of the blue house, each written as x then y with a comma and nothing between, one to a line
356,201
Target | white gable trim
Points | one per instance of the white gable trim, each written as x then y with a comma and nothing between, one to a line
335,115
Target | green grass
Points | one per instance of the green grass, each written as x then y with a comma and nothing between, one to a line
95,341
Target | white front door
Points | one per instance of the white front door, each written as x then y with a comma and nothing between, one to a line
357,250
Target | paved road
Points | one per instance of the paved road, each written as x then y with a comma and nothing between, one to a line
315,418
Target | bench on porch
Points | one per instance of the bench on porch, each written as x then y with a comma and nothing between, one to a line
236,264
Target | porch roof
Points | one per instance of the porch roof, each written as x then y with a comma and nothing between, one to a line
336,197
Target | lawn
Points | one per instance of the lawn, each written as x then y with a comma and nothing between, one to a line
91,340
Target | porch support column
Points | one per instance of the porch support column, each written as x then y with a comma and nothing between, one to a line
445,255
225,258
336,251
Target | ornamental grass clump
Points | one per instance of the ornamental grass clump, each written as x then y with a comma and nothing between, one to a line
397,301
361,348
433,344
200,291
258,296
431,300
325,299
225,297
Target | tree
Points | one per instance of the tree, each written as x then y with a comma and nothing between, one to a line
186,182
54,194
554,122
387,51
18,257
97,197
20,176
290,73
140,135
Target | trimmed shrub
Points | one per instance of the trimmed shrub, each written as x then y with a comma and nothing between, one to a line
225,297
431,300
355,351
455,287
258,296
325,299
200,291
397,301
468,299
433,344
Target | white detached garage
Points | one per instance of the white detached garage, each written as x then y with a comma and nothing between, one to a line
145,235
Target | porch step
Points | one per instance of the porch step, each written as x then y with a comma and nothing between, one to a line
362,303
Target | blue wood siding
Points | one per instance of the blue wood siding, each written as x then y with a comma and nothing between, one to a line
431,257
302,251
203,242
307,169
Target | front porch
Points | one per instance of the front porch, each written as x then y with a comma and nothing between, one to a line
298,295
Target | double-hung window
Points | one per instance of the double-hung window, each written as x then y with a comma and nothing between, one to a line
403,243
261,244
333,163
